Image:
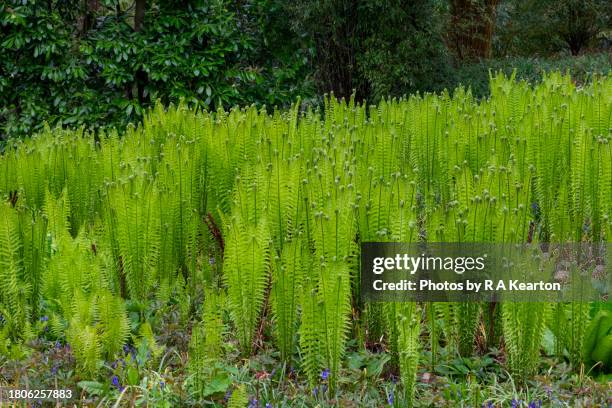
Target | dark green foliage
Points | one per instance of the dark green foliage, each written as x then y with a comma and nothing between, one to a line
598,340
91,65
378,48
94,63
541,27
403,52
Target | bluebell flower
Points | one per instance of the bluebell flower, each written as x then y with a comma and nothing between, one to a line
54,370
162,384
44,318
325,374
390,398
532,404
211,261
253,403
315,391
115,382
228,394
268,405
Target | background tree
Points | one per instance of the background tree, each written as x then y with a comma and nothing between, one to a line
472,23
375,48
542,27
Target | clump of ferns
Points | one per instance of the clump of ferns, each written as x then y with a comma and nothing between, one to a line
246,266
15,292
205,345
407,321
470,171
289,270
98,329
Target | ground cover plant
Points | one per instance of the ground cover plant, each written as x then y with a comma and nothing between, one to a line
213,257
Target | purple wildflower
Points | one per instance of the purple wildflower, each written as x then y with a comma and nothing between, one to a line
228,394
162,385
115,382
44,318
268,405
211,261
325,374
54,370
390,398
315,391
253,403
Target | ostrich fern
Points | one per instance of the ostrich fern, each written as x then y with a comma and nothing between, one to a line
283,200
246,272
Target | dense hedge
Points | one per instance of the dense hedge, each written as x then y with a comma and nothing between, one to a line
94,65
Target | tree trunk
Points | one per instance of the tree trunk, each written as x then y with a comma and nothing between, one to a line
87,19
472,27
139,14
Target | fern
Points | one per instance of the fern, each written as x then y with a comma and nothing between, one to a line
14,290
408,326
239,398
523,328
311,332
287,279
334,294
245,270
113,323
131,221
